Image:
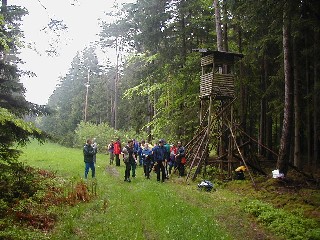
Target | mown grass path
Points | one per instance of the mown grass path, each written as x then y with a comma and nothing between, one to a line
142,209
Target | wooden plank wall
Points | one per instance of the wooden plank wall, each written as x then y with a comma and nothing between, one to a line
220,85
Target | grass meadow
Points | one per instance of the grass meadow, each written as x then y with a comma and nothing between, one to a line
142,209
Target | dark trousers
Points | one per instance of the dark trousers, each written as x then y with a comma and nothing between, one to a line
146,169
86,169
163,171
117,160
111,157
133,168
127,171
181,169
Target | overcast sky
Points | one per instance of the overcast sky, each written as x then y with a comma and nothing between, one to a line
81,17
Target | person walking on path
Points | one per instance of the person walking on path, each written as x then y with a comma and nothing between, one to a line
88,153
167,157
180,155
141,146
146,160
128,158
117,151
133,164
110,150
172,160
159,155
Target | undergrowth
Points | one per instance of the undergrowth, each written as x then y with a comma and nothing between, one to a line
282,223
32,208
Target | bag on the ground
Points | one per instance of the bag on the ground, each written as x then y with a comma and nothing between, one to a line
205,185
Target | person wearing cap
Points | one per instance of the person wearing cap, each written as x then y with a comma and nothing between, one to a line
159,156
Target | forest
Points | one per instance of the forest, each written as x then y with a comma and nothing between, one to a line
152,89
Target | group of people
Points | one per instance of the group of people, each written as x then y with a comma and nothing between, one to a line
162,158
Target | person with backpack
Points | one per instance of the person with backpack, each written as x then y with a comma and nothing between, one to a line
117,151
128,159
88,153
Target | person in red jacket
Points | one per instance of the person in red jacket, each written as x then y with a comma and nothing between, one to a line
117,151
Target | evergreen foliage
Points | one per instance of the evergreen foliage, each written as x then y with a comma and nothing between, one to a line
158,82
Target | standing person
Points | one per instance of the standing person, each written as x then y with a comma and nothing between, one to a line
135,148
133,164
117,151
110,150
159,155
141,146
167,147
88,153
172,160
95,147
146,159
128,158
179,156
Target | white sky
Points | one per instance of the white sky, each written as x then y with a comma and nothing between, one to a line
81,17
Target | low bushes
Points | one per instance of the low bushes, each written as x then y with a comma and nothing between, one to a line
282,223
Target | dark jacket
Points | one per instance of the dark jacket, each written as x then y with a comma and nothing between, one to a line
146,155
88,152
128,154
159,153
180,153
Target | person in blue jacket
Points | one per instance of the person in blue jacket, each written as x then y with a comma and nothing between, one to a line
88,153
146,159
141,146
135,147
159,157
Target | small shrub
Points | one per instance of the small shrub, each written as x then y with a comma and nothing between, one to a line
281,222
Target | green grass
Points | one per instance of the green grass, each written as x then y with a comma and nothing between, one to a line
142,209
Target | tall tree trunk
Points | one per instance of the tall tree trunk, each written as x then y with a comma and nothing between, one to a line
218,25
183,32
263,108
243,89
316,101
269,141
284,150
225,26
297,109
309,107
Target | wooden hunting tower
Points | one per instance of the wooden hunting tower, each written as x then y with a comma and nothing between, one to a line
217,94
